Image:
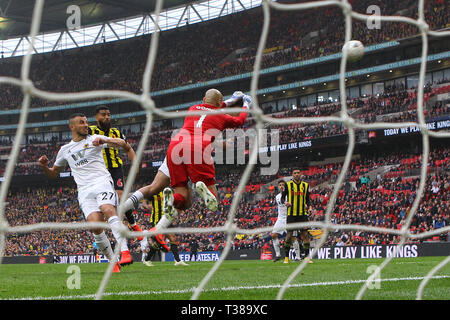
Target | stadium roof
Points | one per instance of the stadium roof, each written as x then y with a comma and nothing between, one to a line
101,21
16,14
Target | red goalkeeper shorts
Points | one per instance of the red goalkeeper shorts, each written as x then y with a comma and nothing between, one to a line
187,163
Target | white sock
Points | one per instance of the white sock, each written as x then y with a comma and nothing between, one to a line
115,227
103,244
297,249
133,201
276,247
163,223
144,244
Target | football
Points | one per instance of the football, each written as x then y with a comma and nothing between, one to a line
355,50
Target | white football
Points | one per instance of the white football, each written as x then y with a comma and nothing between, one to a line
355,50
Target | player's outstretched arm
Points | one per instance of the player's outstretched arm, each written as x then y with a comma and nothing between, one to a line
129,150
116,143
234,122
234,99
130,153
284,194
52,172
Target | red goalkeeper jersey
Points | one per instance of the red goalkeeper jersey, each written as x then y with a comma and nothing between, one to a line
187,156
204,128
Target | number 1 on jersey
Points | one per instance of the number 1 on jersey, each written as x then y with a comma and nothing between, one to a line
200,121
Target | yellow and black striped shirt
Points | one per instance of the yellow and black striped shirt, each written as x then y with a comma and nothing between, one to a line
157,212
110,155
297,194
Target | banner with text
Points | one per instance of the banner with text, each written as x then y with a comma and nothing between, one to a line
433,125
80,258
426,249
201,256
381,251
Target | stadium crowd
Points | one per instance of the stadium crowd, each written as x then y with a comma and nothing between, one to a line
210,55
396,104
383,202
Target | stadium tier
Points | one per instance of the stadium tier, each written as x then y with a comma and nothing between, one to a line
383,201
206,59
394,105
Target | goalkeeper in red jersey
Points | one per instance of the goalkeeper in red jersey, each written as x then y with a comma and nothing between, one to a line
189,153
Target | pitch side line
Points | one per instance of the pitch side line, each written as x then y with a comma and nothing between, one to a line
190,290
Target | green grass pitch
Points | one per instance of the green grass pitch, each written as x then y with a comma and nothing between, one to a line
234,280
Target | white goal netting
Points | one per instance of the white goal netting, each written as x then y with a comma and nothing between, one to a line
230,229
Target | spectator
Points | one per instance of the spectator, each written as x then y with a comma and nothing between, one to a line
193,246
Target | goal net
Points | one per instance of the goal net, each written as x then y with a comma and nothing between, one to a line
230,229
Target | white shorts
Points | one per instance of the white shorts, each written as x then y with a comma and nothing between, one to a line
93,197
164,168
279,227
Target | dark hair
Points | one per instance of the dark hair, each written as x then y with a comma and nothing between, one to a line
100,108
74,115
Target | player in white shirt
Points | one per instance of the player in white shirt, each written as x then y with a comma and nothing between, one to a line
96,194
279,227
144,251
160,181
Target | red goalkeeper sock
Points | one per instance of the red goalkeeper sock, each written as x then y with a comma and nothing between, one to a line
178,201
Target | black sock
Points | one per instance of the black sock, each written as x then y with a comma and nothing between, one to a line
302,248
174,249
130,217
287,248
150,254
306,248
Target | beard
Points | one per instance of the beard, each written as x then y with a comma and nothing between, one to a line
105,126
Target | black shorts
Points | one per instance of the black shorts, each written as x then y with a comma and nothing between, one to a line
296,219
117,175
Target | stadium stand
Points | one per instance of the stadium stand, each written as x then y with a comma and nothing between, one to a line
393,106
204,58
360,203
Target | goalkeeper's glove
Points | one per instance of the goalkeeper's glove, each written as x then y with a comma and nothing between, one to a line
237,95
247,102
